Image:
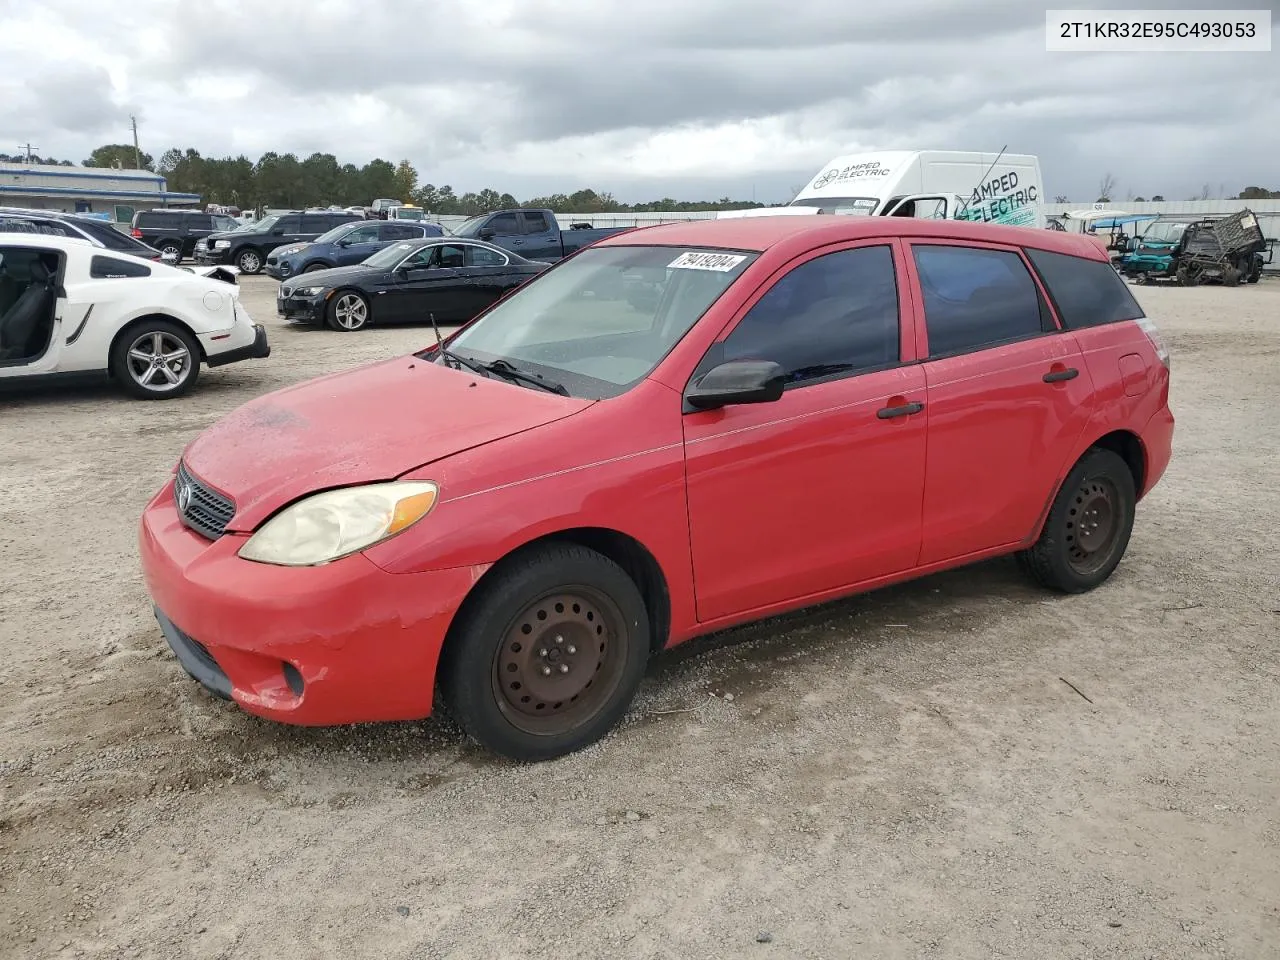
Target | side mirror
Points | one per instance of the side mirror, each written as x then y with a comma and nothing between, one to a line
487,233
738,381
344,242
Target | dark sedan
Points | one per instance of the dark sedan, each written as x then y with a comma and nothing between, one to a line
407,283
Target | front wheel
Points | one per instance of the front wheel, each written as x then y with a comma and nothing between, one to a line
348,311
155,360
249,261
547,656
1088,527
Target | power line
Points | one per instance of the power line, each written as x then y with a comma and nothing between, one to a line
29,148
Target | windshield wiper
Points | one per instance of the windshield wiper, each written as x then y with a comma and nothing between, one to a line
446,354
505,369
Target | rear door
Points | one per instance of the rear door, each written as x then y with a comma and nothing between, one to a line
821,489
1009,396
539,237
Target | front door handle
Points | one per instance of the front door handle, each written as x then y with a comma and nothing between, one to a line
903,410
1057,376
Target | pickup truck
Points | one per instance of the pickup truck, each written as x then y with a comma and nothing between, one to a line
532,233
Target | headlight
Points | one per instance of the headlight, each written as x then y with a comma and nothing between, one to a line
308,291
221,244
336,523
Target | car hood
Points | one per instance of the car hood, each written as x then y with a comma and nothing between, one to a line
290,249
334,276
231,235
360,426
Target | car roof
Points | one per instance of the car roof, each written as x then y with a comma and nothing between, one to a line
48,240
815,230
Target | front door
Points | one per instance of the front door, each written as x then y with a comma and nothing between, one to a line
1009,397
822,488
33,309
359,244
429,282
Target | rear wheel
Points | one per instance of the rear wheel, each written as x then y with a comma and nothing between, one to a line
155,360
347,311
171,248
1088,527
548,654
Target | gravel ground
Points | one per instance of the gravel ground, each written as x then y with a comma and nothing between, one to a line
906,774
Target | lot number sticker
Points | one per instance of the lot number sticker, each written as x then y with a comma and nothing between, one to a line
720,262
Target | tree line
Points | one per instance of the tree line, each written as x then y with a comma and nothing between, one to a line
282,180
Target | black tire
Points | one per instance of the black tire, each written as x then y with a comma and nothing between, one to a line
313,267
249,260
147,380
348,311
552,608
1230,276
1188,277
1069,556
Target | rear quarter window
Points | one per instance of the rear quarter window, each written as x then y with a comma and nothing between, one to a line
111,268
1087,293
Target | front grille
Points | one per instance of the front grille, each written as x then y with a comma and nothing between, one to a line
203,509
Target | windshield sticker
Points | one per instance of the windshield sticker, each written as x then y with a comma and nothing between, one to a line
720,262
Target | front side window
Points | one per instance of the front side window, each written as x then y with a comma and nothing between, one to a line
368,233
1087,293
288,225
504,224
601,321
975,298
834,314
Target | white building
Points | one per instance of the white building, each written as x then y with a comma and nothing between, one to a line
101,190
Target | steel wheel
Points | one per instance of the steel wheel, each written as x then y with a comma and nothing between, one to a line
560,661
1093,525
350,311
159,362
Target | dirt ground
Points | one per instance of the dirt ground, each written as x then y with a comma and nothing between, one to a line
909,774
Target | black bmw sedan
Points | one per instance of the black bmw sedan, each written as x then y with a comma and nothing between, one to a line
407,282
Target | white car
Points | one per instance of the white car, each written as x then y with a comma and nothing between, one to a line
72,309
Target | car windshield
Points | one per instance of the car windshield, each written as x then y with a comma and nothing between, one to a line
468,228
849,206
602,320
389,256
1166,231
266,223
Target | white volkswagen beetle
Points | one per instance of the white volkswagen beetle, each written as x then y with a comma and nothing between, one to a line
71,309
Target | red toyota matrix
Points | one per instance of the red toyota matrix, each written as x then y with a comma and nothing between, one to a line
678,429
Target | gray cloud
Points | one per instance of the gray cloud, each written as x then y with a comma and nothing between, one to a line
667,97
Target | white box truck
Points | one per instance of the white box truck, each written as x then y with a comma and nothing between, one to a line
932,184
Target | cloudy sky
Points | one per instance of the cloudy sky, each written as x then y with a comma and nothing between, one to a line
692,99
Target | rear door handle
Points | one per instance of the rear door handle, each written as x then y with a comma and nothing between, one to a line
905,410
1057,376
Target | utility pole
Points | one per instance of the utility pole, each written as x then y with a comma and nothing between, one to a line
28,147
137,154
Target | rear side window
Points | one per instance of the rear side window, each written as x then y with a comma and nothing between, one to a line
835,314
400,231
316,223
49,227
110,268
151,220
975,298
1087,293
535,223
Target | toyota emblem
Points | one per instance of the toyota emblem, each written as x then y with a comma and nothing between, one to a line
184,496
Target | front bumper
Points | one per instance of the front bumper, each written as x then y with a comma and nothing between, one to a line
341,643
278,269
206,256
307,309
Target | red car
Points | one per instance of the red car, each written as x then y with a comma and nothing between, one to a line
677,429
